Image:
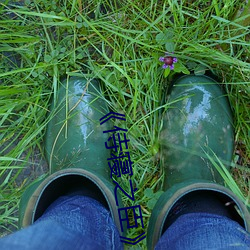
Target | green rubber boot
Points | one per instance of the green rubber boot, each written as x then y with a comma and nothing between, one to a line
197,125
76,152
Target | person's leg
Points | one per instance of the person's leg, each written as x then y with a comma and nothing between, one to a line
197,137
75,150
204,231
71,222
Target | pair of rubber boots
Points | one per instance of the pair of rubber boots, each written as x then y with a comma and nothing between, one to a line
197,132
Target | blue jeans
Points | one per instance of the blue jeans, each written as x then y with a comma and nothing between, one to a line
204,231
82,223
76,222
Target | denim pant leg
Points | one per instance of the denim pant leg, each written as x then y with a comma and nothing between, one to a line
204,231
76,222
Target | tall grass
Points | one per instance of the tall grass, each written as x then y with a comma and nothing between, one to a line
120,43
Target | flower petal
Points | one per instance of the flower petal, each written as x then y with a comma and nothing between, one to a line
164,66
175,60
161,59
171,66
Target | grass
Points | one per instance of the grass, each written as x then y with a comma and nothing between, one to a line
119,43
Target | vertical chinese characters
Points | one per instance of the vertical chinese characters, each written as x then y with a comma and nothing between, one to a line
120,164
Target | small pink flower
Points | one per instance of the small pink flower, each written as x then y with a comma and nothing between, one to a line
168,61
